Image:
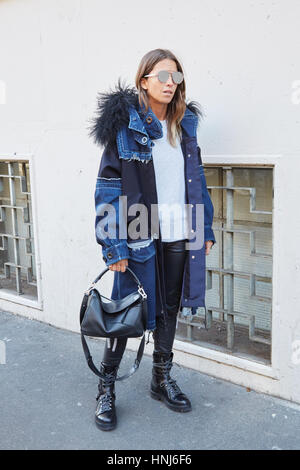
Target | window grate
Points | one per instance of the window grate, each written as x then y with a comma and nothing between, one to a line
17,252
237,318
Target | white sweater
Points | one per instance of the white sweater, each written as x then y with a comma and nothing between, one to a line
170,186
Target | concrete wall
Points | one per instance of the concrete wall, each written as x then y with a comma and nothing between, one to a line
241,63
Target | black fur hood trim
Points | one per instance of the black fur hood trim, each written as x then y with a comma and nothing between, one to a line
112,112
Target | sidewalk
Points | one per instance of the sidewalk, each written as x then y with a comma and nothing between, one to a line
48,401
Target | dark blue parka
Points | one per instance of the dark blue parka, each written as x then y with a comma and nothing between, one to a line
126,169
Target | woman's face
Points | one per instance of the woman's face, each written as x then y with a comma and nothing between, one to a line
157,91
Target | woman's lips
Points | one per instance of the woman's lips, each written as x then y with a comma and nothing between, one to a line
168,92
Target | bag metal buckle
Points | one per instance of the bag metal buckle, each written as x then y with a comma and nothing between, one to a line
89,289
142,292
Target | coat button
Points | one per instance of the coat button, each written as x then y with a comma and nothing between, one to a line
189,155
193,257
190,181
149,119
144,140
109,255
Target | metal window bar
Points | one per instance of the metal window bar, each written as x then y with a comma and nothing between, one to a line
226,270
16,232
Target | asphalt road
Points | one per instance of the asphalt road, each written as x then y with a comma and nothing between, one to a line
48,401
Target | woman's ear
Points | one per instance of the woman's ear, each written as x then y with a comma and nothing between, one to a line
144,84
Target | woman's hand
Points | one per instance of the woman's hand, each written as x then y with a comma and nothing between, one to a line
208,246
119,265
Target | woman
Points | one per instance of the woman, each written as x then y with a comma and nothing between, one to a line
152,163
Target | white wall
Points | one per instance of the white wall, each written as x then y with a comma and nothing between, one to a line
240,58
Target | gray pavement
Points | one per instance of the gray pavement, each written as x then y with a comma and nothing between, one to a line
48,401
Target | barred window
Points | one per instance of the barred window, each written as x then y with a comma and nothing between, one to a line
17,249
238,313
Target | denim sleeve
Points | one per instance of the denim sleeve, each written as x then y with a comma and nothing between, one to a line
109,217
208,205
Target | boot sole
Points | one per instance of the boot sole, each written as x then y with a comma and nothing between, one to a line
106,426
158,397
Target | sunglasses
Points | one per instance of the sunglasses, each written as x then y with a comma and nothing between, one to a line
163,76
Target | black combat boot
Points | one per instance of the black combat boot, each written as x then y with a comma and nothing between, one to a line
163,387
105,415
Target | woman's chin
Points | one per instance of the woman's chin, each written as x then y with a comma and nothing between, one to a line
165,99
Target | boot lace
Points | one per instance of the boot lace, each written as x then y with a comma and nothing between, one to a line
107,380
171,386
105,403
169,383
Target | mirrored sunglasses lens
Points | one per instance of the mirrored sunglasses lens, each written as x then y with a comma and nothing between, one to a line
163,76
177,77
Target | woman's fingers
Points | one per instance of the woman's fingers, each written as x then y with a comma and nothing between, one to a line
208,245
119,265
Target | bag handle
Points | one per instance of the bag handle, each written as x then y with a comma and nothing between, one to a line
107,269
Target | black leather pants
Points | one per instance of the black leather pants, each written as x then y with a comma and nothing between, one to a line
174,257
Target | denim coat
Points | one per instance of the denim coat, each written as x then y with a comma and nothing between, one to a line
126,169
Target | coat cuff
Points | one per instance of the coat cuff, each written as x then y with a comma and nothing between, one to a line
115,253
209,234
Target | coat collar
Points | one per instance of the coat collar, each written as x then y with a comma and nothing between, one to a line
149,125
119,108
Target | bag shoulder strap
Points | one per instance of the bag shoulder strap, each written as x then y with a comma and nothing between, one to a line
96,371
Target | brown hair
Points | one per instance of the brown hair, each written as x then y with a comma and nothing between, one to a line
176,108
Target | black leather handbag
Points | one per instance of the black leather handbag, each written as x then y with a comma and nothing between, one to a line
125,317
